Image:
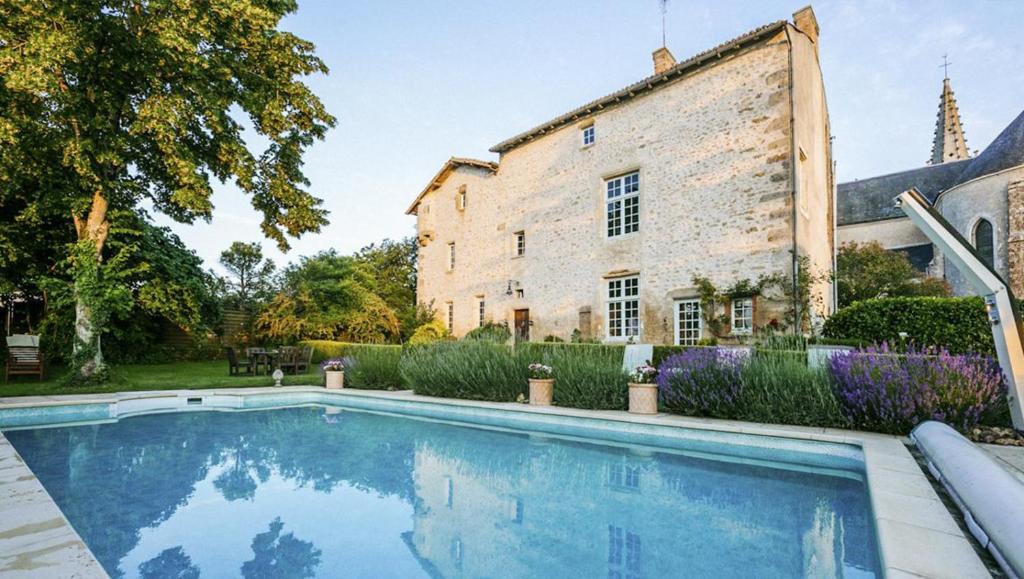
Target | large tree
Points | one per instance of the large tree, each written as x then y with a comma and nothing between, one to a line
251,280
104,104
868,270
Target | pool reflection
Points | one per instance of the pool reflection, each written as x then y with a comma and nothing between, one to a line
306,492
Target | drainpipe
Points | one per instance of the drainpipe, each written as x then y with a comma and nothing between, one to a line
793,182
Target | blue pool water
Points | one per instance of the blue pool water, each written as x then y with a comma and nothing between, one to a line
326,492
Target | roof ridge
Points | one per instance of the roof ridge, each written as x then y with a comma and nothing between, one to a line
644,85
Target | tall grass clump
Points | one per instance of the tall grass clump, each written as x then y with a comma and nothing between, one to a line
471,370
375,367
585,376
783,390
887,392
701,382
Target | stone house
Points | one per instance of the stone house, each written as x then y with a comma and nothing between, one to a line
982,197
596,223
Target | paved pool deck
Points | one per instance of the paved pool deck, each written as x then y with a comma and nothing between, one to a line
1009,457
918,536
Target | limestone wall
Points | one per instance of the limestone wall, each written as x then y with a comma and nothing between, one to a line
713,153
964,205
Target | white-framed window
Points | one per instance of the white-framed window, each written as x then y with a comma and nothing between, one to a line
689,322
623,204
589,136
451,256
481,310
743,315
520,237
460,199
624,307
450,321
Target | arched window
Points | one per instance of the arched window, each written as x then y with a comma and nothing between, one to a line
984,242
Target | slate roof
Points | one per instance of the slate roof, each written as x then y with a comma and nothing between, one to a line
1006,151
872,199
646,85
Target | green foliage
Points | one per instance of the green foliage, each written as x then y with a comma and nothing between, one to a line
779,389
105,107
586,376
868,271
661,352
376,367
328,296
490,332
393,264
430,332
958,324
251,282
553,339
470,370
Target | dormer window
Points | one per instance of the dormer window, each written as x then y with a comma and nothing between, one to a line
588,135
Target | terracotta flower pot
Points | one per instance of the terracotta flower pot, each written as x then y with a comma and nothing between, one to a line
335,380
542,391
643,398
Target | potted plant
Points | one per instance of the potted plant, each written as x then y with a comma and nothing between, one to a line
643,392
542,384
334,374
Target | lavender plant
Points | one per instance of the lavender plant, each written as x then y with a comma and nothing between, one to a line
883,391
702,382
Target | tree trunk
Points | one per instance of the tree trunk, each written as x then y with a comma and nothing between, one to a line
87,337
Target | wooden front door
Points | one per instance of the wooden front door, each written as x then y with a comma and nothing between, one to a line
522,325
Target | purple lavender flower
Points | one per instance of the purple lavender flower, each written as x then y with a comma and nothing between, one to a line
887,391
701,382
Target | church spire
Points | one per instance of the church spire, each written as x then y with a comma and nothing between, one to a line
950,143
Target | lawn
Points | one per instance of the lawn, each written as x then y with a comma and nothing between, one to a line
194,375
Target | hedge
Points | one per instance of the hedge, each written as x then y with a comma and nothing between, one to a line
376,365
957,324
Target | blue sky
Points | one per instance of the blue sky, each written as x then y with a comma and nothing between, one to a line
415,82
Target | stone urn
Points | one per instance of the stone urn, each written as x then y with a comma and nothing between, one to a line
334,379
643,398
541,391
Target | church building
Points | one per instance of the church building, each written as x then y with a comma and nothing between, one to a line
982,197
596,223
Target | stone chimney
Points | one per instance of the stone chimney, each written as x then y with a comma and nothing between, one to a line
805,22
663,60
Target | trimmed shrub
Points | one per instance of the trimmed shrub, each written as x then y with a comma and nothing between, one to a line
327,349
781,389
376,367
701,382
886,392
490,332
662,353
586,376
428,333
959,325
472,370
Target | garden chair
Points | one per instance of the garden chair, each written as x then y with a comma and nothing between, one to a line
304,360
289,360
237,367
24,357
258,359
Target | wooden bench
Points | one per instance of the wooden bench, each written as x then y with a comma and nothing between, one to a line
23,357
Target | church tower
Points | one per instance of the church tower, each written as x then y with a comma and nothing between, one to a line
950,143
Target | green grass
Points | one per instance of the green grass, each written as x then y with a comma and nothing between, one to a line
177,375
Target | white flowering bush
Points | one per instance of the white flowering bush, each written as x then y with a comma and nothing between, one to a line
540,372
645,374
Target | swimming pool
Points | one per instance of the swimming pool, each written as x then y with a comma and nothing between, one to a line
327,490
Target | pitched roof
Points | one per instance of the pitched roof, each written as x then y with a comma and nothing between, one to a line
1006,151
646,85
450,165
872,199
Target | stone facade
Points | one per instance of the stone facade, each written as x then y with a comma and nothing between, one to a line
719,196
1015,240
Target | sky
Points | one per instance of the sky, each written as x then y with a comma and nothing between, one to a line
413,83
